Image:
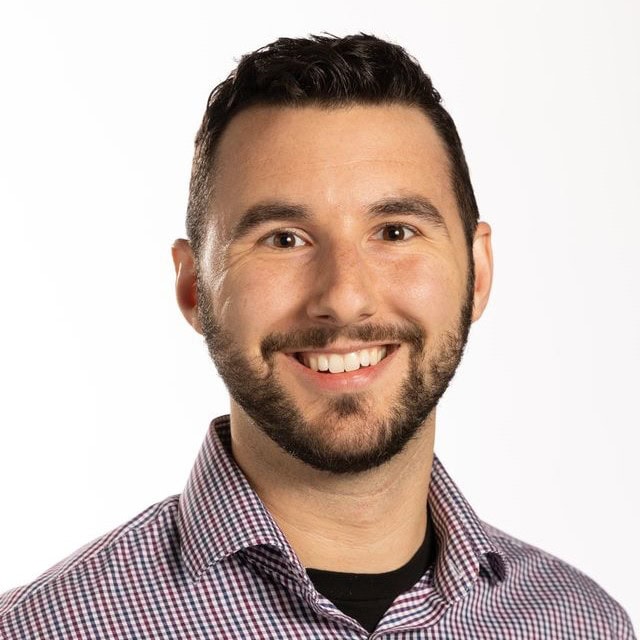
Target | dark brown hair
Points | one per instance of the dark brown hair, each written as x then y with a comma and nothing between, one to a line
327,71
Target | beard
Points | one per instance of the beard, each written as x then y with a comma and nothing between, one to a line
346,435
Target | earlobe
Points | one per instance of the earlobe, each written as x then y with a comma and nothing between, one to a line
483,264
186,282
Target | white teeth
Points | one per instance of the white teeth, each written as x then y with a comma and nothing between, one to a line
376,354
323,363
336,363
339,363
351,362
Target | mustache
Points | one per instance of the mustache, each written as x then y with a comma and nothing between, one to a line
321,337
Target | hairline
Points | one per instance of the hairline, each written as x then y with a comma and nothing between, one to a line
327,104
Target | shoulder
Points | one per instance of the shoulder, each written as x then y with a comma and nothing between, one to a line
542,580
81,574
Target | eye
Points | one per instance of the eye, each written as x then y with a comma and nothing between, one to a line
395,233
284,240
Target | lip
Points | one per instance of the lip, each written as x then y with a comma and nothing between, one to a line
347,381
348,349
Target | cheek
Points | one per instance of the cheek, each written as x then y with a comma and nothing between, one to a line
428,291
254,301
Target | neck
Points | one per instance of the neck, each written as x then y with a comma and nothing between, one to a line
369,522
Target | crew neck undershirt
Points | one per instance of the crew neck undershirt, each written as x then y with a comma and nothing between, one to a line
367,596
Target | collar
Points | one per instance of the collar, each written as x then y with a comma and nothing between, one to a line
219,515
465,548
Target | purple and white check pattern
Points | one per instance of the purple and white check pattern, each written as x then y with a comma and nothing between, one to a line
211,563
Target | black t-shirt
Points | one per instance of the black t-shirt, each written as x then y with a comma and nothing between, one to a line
366,596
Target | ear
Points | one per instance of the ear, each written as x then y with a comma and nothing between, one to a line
186,287
483,264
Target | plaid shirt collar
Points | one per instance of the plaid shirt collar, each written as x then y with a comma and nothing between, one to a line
220,515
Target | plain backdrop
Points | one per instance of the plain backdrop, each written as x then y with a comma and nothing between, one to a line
107,392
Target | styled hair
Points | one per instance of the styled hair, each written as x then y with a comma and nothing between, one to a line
326,71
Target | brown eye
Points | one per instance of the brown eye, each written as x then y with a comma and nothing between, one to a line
395,232
284,240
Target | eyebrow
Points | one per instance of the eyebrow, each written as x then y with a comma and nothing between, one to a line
260,213
275,211
418,206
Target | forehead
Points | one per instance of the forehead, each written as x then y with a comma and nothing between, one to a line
330,158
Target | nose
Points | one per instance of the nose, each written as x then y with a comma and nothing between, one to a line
343,291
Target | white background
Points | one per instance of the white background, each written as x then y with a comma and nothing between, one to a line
106,391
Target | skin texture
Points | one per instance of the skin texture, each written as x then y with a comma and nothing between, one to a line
346,278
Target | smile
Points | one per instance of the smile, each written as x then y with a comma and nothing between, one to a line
328,362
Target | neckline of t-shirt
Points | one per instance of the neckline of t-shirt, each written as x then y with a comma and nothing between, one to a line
338,585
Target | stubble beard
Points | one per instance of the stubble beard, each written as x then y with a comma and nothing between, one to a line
346,436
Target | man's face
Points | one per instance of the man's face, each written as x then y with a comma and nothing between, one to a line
335,242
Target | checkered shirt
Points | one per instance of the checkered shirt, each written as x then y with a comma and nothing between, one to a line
212,563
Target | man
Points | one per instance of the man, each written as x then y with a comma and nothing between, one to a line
334,265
